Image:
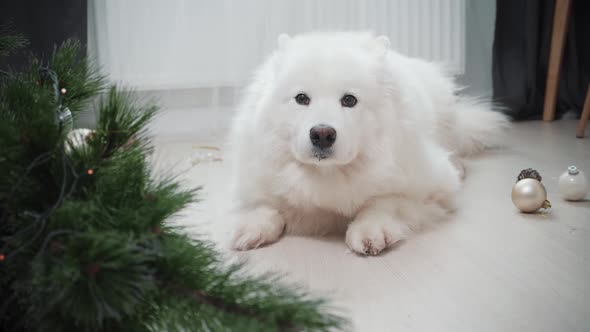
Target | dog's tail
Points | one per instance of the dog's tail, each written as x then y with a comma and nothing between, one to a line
477,125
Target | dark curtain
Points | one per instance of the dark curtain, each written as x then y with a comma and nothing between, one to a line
45,23
522,40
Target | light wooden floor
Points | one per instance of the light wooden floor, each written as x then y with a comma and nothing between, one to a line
489,269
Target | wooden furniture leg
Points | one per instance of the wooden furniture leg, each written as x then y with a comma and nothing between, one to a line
560,19
585,116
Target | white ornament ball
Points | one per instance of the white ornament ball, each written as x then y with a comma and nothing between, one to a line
573,185
529,195
77,138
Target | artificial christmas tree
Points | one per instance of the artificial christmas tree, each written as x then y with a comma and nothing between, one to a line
85,238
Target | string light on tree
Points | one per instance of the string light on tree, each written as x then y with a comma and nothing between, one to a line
63,91
92,269
56,247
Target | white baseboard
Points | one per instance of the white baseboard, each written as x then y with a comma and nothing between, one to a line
192,124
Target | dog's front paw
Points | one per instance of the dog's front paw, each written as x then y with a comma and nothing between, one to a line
257,227
371,236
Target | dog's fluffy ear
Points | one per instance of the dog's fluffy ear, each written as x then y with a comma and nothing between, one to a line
283,40
383,43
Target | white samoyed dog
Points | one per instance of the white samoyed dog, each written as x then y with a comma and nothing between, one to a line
339,132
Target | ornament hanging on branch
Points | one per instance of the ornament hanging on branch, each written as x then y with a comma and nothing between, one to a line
528,193
78,138
64,118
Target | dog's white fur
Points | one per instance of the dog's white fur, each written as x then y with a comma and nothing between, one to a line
395,166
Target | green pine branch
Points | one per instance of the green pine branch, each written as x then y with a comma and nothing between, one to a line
86,237
10,41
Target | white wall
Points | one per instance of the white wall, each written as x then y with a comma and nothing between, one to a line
206,43
201,113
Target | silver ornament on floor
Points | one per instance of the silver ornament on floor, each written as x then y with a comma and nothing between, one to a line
528,193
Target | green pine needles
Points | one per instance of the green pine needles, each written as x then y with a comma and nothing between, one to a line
85,238
10,41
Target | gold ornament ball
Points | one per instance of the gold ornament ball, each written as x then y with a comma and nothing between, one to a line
529,195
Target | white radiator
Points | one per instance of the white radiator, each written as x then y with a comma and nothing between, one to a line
157,44
430,29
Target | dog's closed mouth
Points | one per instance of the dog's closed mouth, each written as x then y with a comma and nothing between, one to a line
322,154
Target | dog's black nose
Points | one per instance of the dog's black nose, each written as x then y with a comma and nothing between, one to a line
322,136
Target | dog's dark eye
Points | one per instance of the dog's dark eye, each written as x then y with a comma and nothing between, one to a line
302,99
348,101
